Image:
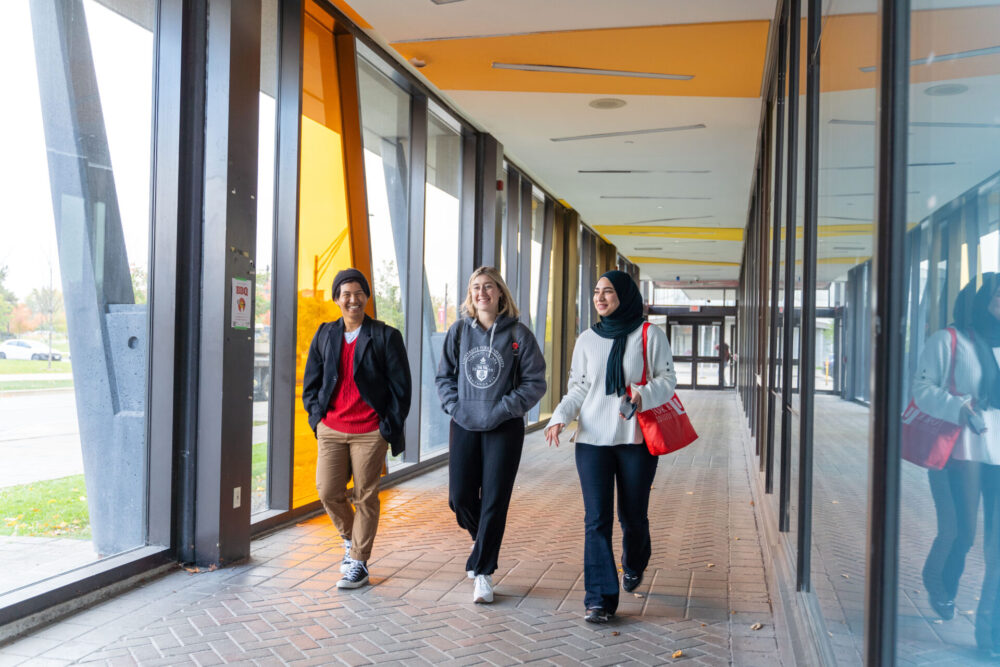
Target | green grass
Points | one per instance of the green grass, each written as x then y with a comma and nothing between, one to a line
258,467
19,366
22,385
53,508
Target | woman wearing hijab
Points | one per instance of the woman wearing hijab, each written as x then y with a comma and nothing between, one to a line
610,452
491,373
974,466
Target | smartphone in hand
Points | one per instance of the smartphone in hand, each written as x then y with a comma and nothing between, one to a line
976,423
627,407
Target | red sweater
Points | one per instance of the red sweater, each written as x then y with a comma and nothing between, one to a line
348,412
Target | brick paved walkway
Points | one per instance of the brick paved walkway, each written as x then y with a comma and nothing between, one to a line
703,591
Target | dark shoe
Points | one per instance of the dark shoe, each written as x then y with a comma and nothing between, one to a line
944,608
597,615
356,577
630,582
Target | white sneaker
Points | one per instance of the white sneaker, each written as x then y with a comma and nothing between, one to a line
345,564
484,589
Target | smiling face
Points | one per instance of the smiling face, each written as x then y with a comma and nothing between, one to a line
605,297
485,295
352,300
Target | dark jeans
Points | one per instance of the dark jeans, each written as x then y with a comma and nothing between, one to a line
482,466
631,468
988,611
955,491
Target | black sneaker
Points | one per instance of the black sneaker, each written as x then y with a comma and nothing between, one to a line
597,615
356,577
630,582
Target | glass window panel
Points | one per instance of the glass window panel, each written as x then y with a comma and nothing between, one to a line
949,546
324,243
682,340
708,374
684,376
442,293
265,237
385,116
846,201
74,282
708,340
537,233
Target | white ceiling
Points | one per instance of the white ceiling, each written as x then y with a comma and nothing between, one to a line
409,20
525,123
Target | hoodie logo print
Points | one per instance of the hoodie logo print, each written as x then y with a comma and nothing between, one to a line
482,367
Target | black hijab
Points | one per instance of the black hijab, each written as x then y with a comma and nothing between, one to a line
626,318
973,318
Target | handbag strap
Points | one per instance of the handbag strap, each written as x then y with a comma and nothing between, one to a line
645,328
951,371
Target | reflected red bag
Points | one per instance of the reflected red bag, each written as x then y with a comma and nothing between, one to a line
665,428
928,441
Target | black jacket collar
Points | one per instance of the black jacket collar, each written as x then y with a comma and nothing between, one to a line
336,340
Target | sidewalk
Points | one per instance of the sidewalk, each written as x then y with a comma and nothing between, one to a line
703,591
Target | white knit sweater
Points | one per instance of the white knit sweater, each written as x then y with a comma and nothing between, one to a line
930,392
600,421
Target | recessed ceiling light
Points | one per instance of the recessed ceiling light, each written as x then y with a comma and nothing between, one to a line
418,62
630,133
563,69
944,89
607,103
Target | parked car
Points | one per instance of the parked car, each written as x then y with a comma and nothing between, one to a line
27,349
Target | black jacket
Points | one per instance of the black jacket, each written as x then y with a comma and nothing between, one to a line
381,372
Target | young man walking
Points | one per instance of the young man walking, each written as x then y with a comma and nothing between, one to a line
356,389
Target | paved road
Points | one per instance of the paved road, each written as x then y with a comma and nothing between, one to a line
40,439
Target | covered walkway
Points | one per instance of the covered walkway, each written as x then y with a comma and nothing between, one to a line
704,591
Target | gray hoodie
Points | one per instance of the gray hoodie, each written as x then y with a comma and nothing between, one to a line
475,377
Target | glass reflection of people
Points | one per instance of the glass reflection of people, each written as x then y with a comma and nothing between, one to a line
974,467
491,373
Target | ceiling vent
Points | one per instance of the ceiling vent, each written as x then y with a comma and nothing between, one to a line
933,58
563,69
652,197
607,103
444,2
630,133
922,123
644,171
696,217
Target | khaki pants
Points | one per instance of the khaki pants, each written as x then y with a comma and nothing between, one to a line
341,456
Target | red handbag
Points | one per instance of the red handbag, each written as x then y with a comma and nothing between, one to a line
665,428
928,441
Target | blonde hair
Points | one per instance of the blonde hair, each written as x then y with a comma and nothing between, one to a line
506,305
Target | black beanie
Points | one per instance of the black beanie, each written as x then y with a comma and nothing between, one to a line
351,276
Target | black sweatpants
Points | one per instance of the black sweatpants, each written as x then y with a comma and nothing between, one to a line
482,466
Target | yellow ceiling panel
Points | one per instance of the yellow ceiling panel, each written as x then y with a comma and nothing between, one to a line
725,59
